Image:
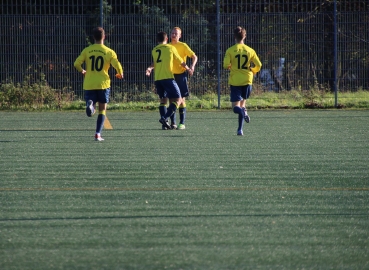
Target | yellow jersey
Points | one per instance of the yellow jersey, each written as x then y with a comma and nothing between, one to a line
238,59
97,58
184,51
163,57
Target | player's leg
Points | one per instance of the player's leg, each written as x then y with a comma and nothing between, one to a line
90,98
163,106
246,92
103,102
181,80
163,109
173,118
173,121
173,106
160,90
182,114
100,121
236,100
174,96
238,110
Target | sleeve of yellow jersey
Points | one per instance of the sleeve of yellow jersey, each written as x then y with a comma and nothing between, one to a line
116,64
188,51
79,61
176,55
226,60
257,64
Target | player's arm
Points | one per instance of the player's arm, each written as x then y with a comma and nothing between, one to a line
117,65
184,65
193,64
149,69
227,61
257,64
78,64
190,53
179,59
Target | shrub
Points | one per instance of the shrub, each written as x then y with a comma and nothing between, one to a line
33,95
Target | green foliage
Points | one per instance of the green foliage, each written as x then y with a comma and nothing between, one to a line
197,37
37,94
33,95
160,22
95,20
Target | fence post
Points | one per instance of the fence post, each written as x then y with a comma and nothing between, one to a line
101,13
218,49
335,86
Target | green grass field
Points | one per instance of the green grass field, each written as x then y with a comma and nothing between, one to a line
293,193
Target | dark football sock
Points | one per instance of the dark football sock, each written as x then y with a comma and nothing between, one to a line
173,119
171,109
162,109
182,114
100,121
241,116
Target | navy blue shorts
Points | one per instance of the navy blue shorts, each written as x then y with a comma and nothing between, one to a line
239,93
181,80
167,88
98,95
161,92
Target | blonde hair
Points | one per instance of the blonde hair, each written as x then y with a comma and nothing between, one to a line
177,28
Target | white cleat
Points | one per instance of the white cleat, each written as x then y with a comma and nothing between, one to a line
90,110
98,138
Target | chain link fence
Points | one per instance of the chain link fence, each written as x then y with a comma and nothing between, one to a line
303,45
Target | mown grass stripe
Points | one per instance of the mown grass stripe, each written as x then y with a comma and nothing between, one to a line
189,189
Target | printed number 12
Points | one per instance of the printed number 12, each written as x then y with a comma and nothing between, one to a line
238,56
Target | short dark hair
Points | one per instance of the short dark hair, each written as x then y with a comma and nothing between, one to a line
98,33
239,33
161,36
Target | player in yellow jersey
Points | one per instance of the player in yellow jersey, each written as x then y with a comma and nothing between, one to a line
238,60
180,74
163,56
96,83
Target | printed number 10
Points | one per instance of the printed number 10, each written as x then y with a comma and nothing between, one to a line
97,64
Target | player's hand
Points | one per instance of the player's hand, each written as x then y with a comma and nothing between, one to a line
119,76
83,72
191,71
148,72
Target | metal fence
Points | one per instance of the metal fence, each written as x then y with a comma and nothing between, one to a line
303,45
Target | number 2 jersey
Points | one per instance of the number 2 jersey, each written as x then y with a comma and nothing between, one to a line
163,57
239,58
98,59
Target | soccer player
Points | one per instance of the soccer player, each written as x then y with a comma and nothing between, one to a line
238,59
163,56
96,83
180,74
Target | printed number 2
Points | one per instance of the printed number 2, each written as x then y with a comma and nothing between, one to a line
98,63
238,56
158,60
